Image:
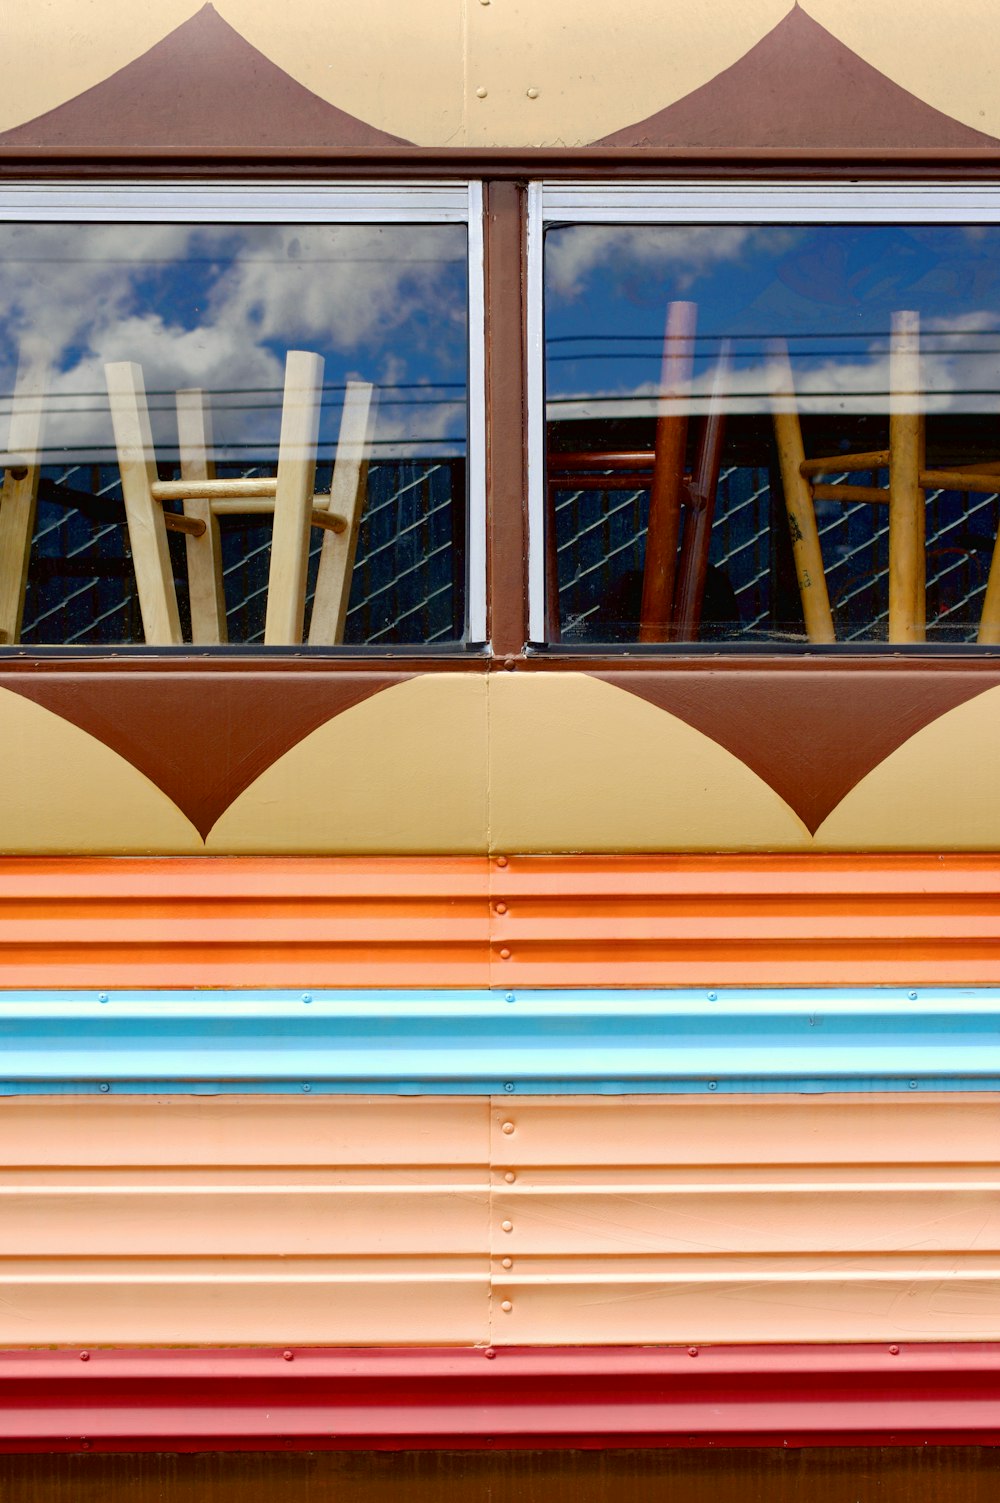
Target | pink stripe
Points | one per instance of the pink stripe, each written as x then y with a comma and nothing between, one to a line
504,1399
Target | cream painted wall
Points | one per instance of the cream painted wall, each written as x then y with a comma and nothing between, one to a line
415,70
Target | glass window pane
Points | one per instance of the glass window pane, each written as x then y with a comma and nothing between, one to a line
693,370
216,309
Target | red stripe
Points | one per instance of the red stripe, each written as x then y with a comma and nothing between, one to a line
382,1399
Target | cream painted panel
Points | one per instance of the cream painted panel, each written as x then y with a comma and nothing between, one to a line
741,1133
135,1220
846,1213
404,772
213,1217
767,1219
580,765
252,1301
397,65
415,70
253,1133
593,77
940,53
65,792
353,56
940,790
55,49
734,1299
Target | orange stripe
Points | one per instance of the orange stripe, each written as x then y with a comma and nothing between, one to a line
435,921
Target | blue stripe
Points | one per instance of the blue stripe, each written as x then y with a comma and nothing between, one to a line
406,1042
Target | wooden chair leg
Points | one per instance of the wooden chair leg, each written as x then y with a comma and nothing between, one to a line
147,528
659,573
204,554
799,501
347,499
293,501
907,506
692,569
19,496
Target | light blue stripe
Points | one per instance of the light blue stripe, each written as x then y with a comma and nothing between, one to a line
406,1042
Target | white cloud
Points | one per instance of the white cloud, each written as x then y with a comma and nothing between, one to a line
685,252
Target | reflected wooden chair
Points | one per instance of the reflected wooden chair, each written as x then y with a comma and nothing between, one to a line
909,480
681,506
289,496
19,494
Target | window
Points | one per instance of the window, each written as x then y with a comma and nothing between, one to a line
764,415
163,348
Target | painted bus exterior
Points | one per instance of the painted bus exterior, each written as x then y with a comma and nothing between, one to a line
527,1043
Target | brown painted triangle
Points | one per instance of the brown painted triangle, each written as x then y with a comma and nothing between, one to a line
202,85
202,737
811,734
799,86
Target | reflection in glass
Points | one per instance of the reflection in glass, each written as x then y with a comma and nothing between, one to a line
215,310
772,433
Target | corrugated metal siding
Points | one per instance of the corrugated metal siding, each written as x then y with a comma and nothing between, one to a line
470,921
398,1398
748,920
354,1221
485,1041
180,1221
682,1220
244,922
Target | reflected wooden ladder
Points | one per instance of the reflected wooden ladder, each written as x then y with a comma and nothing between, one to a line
290,497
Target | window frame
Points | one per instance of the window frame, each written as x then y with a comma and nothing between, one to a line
332,201
595,201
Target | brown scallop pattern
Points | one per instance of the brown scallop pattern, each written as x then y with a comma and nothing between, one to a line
812,734
203,85
200,737
799,86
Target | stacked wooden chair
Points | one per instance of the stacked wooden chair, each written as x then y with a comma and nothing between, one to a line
681,506
290,497
909,480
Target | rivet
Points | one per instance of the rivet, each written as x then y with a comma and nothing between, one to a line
713,996
307,1087
507,1262
912,996
509,1176
85,1443
509,997
506,1226
102,997
506,1305
505,954
713,1085
510,664
692,1351
894,1351
105,1086
480,92
501,908
913,1085
507,1127
288,1356
489,1352
306,997
532,93
501,861
84,1356
508,1085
